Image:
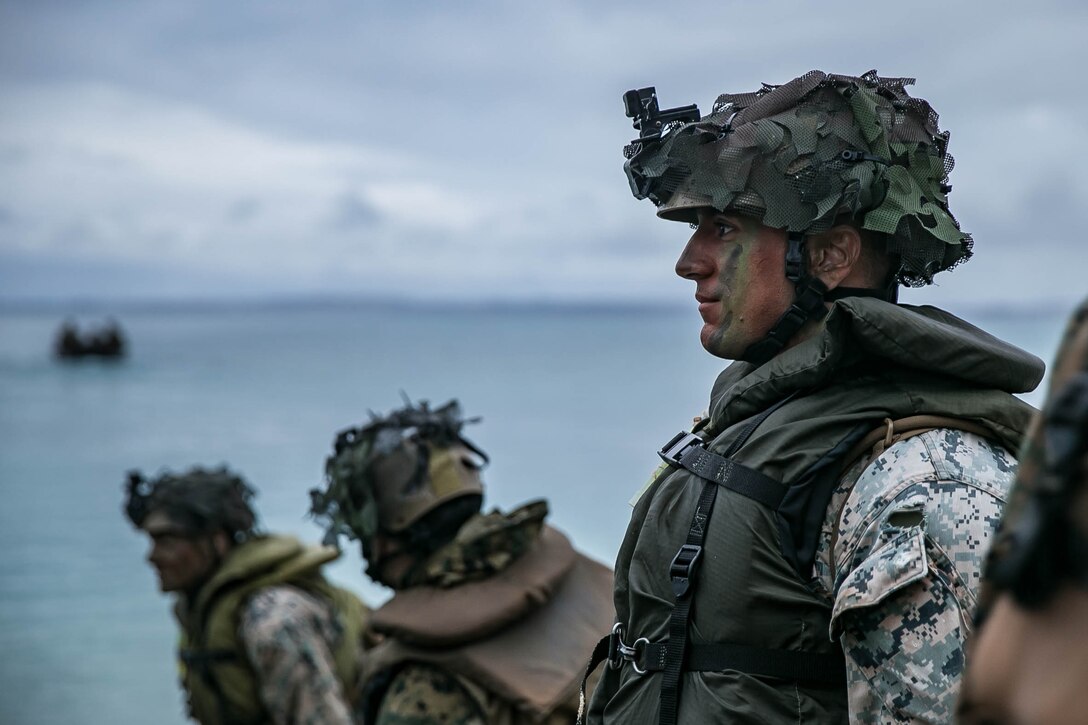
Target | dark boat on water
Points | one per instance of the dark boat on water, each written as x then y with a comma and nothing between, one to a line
108,342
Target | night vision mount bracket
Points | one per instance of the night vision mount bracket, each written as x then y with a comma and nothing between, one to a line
651,122
647,117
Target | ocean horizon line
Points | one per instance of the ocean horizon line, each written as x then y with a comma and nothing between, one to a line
107,305
103,305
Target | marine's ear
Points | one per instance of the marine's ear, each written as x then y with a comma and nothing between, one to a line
222,543
835,256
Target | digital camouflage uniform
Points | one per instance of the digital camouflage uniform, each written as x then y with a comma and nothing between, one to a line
287,634
902,612
423,694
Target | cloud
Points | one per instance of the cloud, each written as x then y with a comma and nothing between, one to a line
353,212
474,149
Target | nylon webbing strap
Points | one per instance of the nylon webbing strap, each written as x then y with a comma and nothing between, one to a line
200,657
809,299
732,475
814,667
201,660
682,575
599,655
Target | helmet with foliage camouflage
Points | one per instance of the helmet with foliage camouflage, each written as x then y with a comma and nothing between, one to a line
389,474
804,156
200,500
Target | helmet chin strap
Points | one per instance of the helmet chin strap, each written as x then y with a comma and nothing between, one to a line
810,294
808,298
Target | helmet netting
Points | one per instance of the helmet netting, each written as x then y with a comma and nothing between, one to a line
200,500
349,504
804,155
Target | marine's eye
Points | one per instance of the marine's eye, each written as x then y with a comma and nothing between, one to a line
723,228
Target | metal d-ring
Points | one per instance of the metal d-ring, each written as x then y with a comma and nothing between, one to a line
618,650
634,655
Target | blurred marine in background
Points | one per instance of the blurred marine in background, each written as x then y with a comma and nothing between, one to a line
264,637
811,551
1027,662
494,614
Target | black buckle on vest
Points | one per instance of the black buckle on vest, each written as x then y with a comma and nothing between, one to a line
682,568
674,450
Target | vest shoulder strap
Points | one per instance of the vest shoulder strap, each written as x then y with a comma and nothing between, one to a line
891,432
688,451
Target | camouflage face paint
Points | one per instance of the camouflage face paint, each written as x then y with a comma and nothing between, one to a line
736,263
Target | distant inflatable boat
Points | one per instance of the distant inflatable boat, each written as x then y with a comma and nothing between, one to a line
107,343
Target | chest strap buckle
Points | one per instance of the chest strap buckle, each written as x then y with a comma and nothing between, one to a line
682,568
675,449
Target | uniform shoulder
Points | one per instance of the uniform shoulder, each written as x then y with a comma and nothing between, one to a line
270,612
909,470
943,480
280,597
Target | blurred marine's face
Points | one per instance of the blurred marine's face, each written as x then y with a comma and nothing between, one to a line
1028,667
181,560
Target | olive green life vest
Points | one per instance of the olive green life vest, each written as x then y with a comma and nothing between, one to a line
750,594
214,669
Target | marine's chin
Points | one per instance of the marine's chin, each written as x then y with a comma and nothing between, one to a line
165,583
715,340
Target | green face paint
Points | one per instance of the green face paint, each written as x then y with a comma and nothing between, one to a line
735,262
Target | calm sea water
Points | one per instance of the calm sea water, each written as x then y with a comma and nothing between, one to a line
574,401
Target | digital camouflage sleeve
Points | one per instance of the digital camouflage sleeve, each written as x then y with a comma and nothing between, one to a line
425,695
908,553
287,635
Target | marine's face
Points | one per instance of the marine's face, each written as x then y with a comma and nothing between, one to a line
738,266
389,561
1029,667
181,560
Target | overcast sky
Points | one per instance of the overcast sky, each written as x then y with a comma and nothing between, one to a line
472,150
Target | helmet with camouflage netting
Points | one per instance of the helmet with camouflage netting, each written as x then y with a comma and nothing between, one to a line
817,151
201,501
396,474
807,154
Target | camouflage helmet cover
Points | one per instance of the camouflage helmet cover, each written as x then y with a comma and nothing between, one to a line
200,500
802,155
390,473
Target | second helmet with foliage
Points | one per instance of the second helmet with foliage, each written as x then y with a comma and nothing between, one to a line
392,473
